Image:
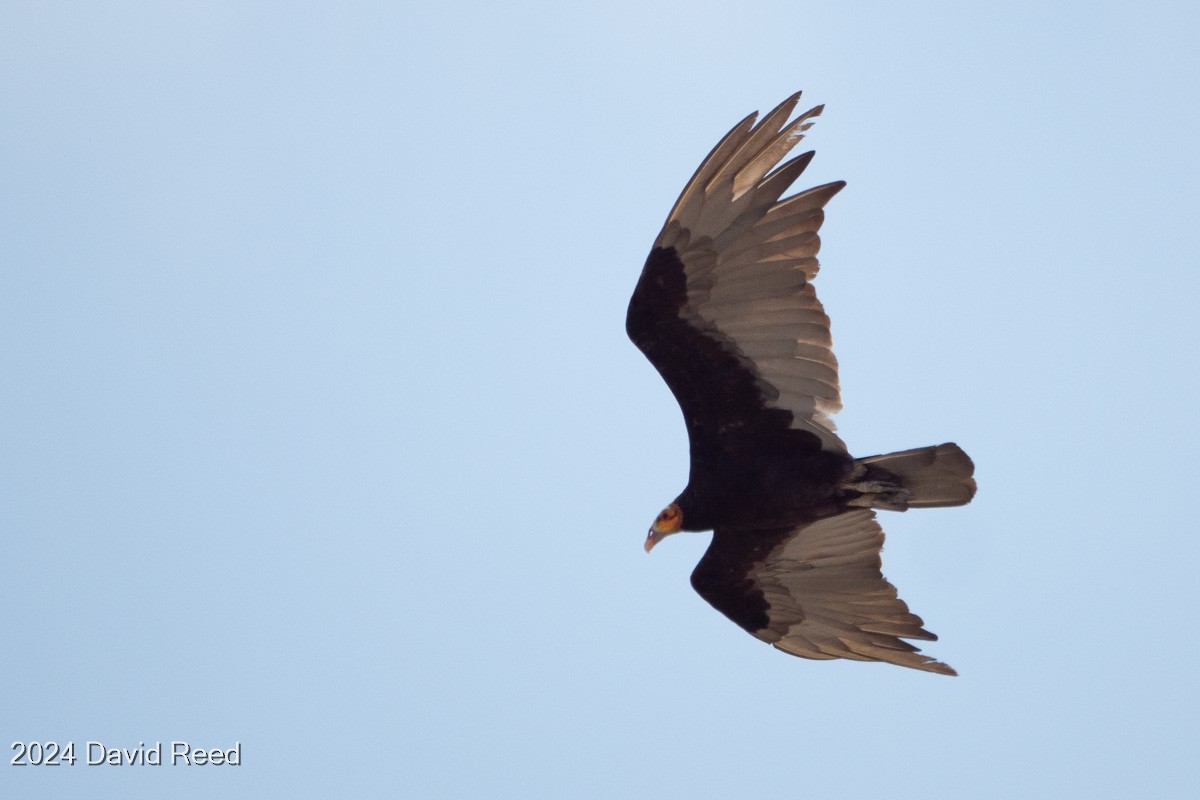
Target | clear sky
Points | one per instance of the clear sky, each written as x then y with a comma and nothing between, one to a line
319,429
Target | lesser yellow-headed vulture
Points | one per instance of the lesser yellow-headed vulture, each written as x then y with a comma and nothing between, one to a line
725,311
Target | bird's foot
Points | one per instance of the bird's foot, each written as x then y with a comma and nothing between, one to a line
878,494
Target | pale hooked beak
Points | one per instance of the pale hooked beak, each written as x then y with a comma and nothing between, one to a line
668,522
653,538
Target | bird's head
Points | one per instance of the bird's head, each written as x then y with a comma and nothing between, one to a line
669,520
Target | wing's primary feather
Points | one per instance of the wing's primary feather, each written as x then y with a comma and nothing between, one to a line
815,591
724,309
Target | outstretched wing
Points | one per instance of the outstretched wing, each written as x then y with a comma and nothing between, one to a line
814,591
724,309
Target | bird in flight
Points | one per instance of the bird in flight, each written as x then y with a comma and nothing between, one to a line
725,311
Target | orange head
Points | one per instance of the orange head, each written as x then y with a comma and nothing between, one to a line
669,521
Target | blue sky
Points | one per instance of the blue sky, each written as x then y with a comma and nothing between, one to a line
321,434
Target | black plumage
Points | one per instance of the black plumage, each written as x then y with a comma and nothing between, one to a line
725,311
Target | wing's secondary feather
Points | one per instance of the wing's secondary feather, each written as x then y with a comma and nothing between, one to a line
814,591
724,299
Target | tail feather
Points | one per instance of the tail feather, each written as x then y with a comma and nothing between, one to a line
940,475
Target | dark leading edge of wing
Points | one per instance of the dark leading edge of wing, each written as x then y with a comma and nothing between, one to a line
716,388
723,308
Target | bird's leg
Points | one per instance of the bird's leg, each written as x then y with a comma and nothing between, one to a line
875,490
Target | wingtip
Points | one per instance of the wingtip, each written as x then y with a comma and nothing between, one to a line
942,668
783,111
931,664
791,100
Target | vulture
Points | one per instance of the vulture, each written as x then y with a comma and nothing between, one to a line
725,310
